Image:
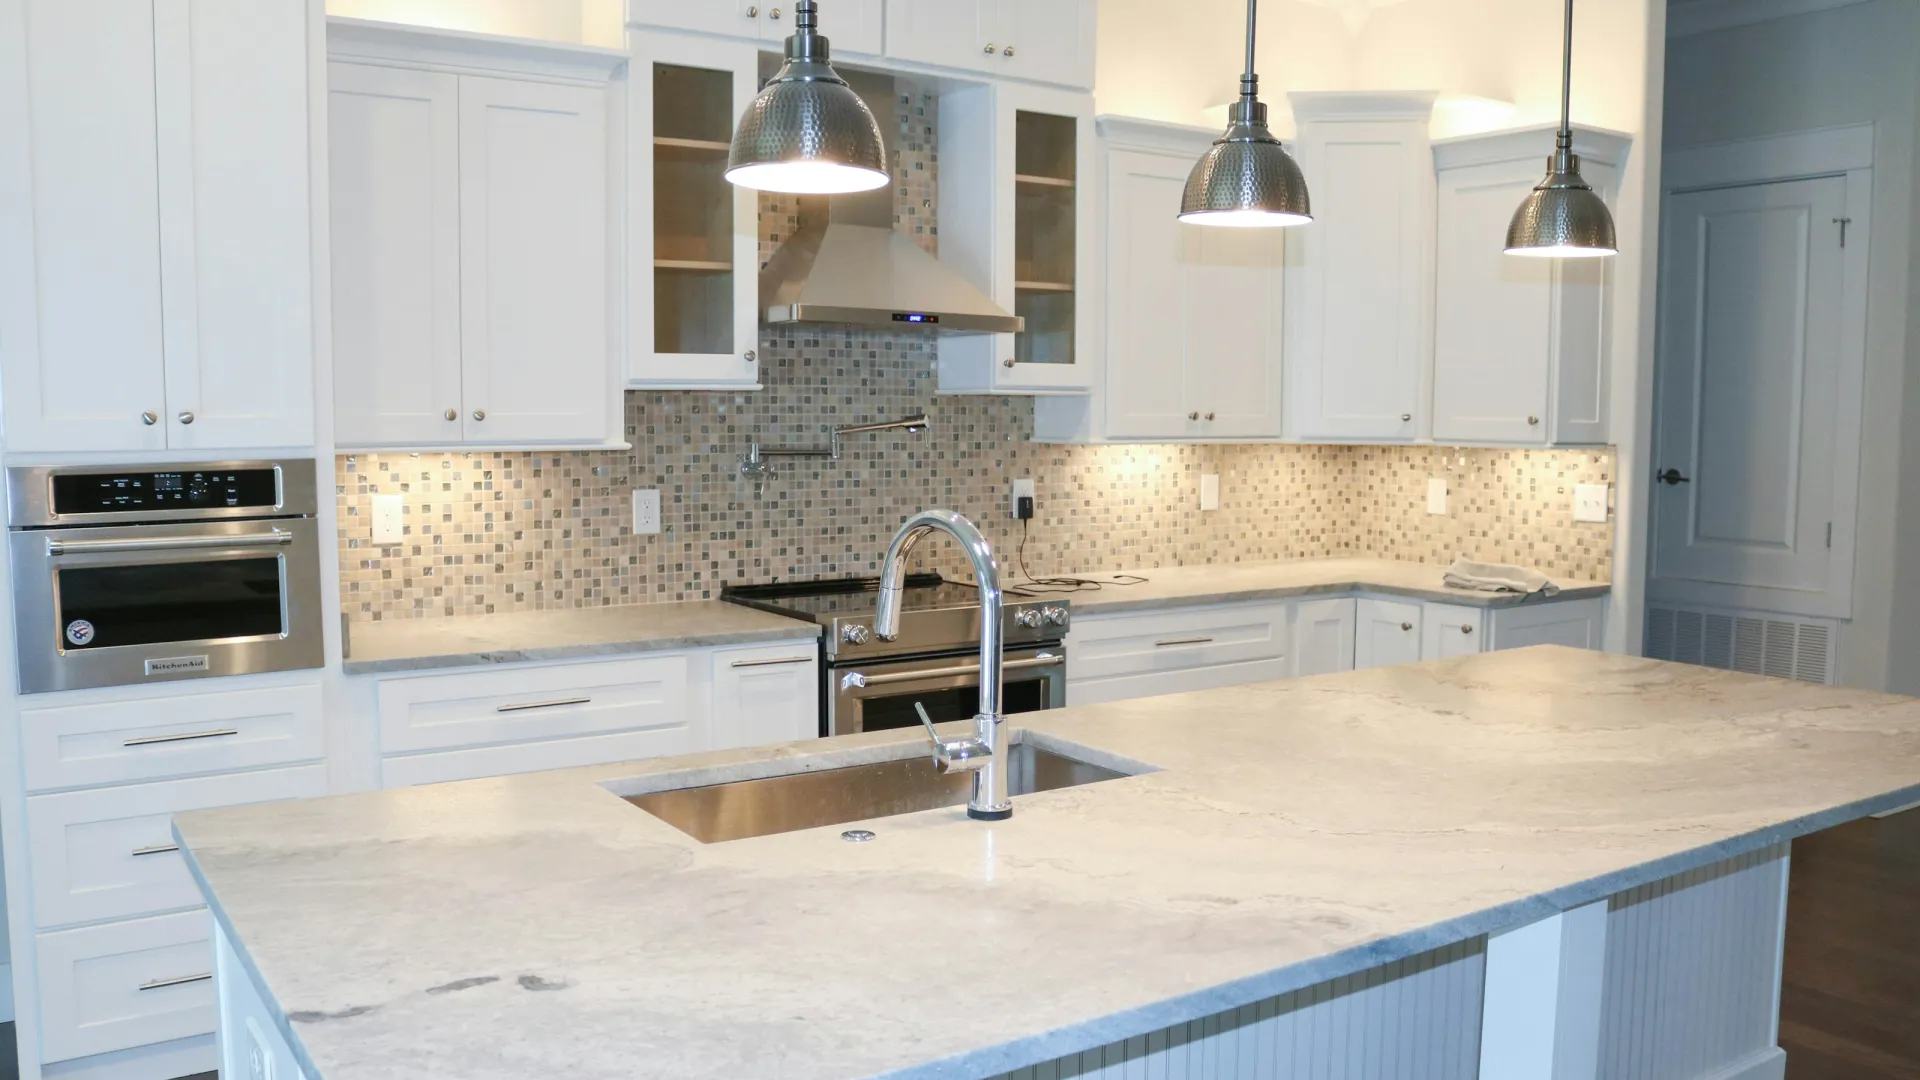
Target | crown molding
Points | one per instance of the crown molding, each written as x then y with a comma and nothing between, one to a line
1704,16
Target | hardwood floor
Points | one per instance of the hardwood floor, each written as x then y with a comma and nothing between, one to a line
1850,999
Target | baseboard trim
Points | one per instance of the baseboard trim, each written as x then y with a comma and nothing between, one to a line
1768,1064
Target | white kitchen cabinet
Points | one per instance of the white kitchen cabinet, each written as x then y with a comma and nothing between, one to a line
1139,654
1520,345
529,703
1450,630
1193,315
1017,219
1323,635
251,1042
474,251
693,243
155,225
1360,275
119,985
1576,624
765,694
1040,40
1386,632
853,26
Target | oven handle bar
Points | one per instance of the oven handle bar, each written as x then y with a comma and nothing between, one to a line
276,538
854,678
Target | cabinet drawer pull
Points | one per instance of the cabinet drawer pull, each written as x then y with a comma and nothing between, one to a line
1183,641
1406,626
1466,629
157,849
161,984
772,663
155,740
555,704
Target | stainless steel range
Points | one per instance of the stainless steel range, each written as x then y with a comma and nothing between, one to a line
868,684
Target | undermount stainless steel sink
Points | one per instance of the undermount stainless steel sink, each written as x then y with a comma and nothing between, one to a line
778,804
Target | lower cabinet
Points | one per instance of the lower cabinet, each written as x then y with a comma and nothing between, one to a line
251,1044
1387,633
1142,654
1323,636
1449,630
119,985
765,695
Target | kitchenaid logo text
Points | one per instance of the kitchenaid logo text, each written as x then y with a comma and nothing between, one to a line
174,665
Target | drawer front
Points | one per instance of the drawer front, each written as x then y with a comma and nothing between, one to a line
158,738
411,769
109,854
766,694
1180,640
531,703
125,984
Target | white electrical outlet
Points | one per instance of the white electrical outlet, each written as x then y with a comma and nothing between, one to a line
1590,502
389,519
1023,489
646,511
1437,495
1209,491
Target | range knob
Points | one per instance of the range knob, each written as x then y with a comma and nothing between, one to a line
1028,617
856,634
1055,616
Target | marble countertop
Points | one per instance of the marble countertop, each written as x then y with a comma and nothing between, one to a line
466,640
1185,586
1277,835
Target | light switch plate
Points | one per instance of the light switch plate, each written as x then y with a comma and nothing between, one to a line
1022,489
1590,502
646,511
389,519
1209,491
1437,495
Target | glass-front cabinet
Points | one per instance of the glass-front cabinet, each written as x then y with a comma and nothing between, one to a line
1016,216
693,264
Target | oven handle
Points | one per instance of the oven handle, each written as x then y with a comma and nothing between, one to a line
276,538
854,678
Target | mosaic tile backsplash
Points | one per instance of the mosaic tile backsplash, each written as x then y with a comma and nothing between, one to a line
500,532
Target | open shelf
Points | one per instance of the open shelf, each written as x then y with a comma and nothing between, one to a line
713,145
1041,181
703,265
1043,286
693,269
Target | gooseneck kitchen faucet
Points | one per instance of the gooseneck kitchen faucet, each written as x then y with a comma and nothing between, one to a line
983,755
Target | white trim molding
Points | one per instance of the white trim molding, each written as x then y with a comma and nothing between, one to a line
1705,16
1817,152
468,53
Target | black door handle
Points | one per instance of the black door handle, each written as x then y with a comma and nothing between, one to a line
1673,476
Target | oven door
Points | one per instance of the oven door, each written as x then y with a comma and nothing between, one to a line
880,695
131,604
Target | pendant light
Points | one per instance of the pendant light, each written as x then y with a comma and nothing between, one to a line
1246,178
806,132
1563,218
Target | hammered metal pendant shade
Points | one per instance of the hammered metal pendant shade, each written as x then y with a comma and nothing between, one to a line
1246,179
806,132
1562,218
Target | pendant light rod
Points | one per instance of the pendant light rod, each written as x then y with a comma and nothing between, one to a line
1250,83
1565,139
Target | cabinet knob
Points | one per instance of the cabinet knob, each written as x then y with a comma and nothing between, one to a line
1008,362
479,414
753,12
990,49
149,418
1466,629
452,414
1209,416
1533,421
1193,416
1406,626
186,416
774,14
1406,417
1008,51
749,356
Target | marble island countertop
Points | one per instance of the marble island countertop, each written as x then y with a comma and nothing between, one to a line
1275,836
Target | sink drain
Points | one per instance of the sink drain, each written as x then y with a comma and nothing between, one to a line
857,836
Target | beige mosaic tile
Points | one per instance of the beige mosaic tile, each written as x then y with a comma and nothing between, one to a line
522,531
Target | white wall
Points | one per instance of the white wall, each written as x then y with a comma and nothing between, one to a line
1844,65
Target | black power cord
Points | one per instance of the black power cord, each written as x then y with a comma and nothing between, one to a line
1035,584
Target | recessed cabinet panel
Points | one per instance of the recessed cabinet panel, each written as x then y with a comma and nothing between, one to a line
1147,313
395,146
1386,632
1040,40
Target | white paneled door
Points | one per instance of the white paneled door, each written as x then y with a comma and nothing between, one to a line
1753,475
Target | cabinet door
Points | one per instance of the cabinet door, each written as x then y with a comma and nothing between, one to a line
1576,624
395,148
250,1042
706,16
1233,330
854,26
80,227
767,694
1450,630
1046,40
1323,636
534,242
1387,633
235,224
1360,280
950,33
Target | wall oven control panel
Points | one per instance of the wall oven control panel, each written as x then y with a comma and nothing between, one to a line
137,492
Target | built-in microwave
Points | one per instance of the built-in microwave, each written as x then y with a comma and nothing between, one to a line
157,573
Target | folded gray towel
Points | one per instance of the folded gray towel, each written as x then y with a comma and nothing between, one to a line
1498,577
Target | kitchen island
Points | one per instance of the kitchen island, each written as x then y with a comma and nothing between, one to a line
1517,864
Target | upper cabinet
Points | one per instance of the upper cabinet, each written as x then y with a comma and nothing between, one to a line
1192,322
1360,275
155,280
1017,218
473,246
853,26
693,259
1520,345
1041,40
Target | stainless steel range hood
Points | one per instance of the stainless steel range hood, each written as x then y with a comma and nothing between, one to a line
846,264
